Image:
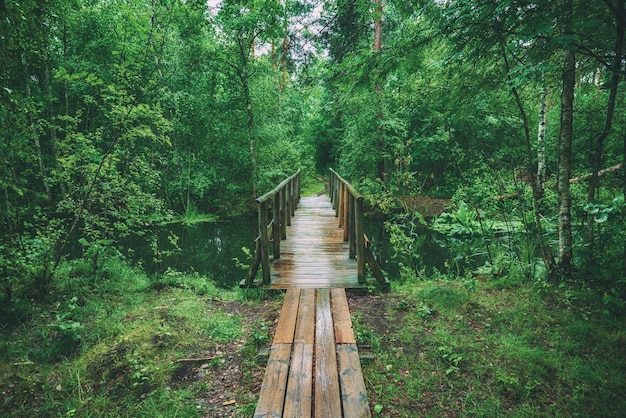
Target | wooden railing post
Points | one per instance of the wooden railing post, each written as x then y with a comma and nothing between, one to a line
360,240
340,207
331,188
283,200
348,205
264,247
287,206
298,191
346,213
351,229
276,223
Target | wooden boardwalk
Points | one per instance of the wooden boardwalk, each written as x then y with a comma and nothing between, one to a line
314,367
314,255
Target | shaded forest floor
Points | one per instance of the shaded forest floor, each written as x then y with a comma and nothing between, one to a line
123,344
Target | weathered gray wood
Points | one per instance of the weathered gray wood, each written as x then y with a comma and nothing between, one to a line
360,240
346,214
327,393
353,393
351,229
254,267
272,395
300,382
341,317
376,270
306,318
314,255
276,230
264,247
287,321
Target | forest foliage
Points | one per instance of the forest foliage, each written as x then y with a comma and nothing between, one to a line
118,115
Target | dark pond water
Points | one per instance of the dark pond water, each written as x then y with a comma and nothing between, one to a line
210,249
432,254
206,248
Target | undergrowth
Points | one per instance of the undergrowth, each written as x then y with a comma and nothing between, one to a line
111,343
478,348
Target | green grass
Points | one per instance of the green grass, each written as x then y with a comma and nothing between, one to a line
311,186
482,352
107,344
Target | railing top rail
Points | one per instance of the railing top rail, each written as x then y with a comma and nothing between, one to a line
276,189
350,188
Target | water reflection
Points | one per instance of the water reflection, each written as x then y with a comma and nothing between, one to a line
206,248
210,249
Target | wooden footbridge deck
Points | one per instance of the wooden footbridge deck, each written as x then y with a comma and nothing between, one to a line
314,367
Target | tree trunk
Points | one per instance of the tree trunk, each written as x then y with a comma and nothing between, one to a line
251,135
33,129
378,26
544,249
243,74
541,145
378,42
624,192
565,160
610,112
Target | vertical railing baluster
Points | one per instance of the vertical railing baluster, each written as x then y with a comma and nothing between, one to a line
276,221
285,217
351,230
360,240
265,256
340,207
346,213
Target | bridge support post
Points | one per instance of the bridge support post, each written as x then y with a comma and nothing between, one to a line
351,230
277,231
264,247
286,207
360,240
347,207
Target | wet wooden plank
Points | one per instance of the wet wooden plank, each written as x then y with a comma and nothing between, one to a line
353,393
314,250
341,317
287,320
272,395
300,382
306,318
327,395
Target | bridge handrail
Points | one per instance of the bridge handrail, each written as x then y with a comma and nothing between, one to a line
284,199
348,205
278,188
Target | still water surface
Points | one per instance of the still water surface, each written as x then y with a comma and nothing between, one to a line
211,248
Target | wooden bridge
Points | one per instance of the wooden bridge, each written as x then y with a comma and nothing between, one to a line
315,253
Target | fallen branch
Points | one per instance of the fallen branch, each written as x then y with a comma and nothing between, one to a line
600,173
191,360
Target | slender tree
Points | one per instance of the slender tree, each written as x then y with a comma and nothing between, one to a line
619,12
565,146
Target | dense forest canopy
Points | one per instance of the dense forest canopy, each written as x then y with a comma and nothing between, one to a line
115,114
490,132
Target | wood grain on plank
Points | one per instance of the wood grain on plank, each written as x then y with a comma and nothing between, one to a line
272,395
327,394
287,320
300,382
341,317
314,252
306,317
353,393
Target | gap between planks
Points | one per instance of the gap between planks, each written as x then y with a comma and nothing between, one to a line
308,325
